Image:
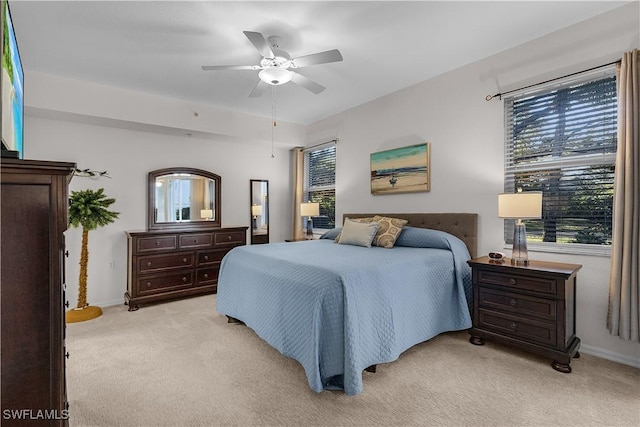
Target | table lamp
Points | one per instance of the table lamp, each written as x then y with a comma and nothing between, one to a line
519,206
256,210
206,214
309,209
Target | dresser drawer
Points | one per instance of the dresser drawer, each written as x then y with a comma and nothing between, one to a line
521,305
229,238
529,330
159,243
192,241
207,276
529,283
211,257
155,263
162,284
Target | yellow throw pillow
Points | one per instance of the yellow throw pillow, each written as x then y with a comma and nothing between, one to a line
390,229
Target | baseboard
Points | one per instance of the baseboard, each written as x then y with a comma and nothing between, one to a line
110,303
614,357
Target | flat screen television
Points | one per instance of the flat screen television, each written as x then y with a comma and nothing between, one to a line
11,89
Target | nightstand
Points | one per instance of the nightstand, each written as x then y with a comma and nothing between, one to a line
531,307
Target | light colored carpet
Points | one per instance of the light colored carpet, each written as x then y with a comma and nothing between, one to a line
182,364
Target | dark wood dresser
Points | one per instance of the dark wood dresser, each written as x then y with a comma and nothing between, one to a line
530,307
34,198
169,265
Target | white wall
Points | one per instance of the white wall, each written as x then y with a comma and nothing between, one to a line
467,140
129,134
128,155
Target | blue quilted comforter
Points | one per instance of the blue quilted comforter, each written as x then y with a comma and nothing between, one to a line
338,309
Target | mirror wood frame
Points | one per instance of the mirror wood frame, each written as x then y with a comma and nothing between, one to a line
259,238
153,225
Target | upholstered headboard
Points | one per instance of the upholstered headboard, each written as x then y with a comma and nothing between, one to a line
462,225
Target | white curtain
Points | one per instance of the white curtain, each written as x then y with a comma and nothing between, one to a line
623,318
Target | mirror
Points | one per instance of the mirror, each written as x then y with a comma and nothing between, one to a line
259,210
183,198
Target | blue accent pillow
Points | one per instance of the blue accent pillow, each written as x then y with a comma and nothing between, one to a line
415,237
331,234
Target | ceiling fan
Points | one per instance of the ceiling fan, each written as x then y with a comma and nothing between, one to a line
277,67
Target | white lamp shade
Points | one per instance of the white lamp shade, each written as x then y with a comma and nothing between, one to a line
525,205
275,75
256,210
309,209
206,213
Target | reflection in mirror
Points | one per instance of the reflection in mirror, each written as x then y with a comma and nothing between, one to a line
259,211
183,198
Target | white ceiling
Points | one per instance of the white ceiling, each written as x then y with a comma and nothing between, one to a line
159,47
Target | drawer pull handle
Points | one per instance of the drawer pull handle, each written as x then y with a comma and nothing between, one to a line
184,279
206,276
184,260
149,264
512,281
513,302
206,257
514,325
157,242
67,355
148,284
66,304
228,237
195,240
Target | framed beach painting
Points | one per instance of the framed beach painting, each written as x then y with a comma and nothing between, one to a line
401,170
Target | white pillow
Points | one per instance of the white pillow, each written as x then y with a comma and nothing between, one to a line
357,233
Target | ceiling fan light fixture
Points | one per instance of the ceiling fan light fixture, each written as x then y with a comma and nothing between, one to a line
275,76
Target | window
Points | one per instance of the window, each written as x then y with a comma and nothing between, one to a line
320,184
562,140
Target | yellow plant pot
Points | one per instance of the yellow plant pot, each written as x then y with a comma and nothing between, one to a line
81,314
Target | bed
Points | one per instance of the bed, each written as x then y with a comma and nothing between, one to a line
339,309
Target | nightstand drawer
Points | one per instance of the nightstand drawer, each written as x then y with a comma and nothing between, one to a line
527,329
529,283
521,305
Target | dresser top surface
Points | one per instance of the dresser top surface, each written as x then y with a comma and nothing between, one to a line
534,266
195,231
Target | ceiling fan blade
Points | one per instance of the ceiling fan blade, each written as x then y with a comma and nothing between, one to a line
230,67
260,88
307,83
260,43
317,58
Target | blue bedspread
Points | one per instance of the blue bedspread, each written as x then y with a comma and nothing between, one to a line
338,309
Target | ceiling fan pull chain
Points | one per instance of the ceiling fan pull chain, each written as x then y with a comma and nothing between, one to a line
273,116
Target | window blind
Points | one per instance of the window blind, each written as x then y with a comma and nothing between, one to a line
562,141
320,183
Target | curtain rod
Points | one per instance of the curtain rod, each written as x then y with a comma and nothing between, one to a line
490,97
335,141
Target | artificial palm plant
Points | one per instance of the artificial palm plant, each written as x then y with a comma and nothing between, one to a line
89,209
